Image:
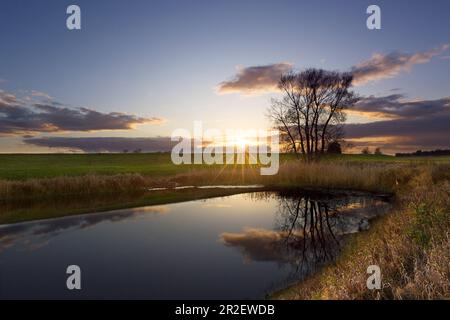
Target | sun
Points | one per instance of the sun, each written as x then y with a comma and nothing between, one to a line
238,141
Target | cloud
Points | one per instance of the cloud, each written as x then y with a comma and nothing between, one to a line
258,244
7,99
413,124
264,79
36,93
395,106
282,246
432,130
105,144
255,79
382,66
21,117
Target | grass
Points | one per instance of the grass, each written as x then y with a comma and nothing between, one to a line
35,176
28,166
411,246
322,175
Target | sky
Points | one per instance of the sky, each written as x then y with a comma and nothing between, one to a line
137,70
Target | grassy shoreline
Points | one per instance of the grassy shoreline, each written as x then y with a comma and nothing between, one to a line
61,196
370,176
411,245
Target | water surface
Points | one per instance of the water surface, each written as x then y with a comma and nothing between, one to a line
235,247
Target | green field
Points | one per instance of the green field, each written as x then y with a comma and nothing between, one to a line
25,166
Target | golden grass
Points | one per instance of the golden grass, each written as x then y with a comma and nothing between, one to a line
61,186
319,175
411,246
376,177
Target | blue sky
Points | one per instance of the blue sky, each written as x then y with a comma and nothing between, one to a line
166,58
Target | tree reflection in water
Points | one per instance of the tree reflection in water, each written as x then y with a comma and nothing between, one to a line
309,229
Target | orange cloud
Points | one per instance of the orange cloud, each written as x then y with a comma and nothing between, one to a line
255,79
382,66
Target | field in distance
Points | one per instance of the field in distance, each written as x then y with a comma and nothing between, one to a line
26,166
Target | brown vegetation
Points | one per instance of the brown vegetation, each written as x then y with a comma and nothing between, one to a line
321,175
411,246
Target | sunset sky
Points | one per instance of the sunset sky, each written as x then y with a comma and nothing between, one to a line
137,70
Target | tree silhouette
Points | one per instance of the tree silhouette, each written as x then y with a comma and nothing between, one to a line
311,112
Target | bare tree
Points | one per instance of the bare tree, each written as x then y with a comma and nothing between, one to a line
311,112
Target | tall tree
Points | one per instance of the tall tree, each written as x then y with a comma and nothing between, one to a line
310,113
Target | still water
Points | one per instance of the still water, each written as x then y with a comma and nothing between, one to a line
242,246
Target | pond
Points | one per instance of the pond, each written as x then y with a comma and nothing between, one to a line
242,246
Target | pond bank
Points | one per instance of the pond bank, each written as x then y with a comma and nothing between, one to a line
411,246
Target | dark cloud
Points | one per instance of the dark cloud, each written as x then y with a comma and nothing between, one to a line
415,125
105,144
18,117
382,66
255,79
433,130
396,106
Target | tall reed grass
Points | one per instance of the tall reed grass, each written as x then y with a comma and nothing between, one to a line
374,177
